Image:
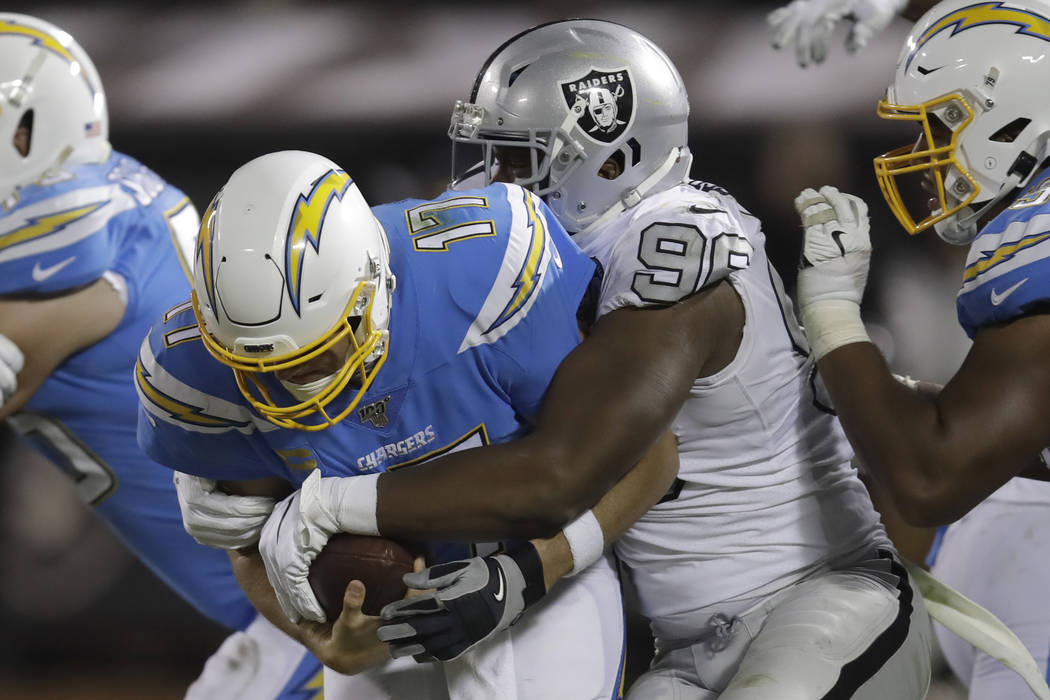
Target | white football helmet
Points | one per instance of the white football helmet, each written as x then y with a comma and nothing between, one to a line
290,262
576,94
971,74
47,83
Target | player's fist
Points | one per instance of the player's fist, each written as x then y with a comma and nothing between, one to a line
808,24
836,248
834,267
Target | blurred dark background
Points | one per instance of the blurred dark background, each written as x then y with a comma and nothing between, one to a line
196,89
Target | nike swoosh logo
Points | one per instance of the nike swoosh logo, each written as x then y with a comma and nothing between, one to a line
499,591
1000,297
42,273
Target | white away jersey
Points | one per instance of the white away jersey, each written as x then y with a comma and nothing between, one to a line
766,492
1008,267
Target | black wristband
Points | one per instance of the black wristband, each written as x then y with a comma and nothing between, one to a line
528,560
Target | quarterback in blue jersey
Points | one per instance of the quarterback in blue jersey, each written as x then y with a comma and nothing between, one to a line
92,247
982,155
363,342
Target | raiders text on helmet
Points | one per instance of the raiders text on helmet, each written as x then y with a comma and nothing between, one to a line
971,75
49,87
602,110
289,264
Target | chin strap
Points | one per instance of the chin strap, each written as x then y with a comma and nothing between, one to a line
634,195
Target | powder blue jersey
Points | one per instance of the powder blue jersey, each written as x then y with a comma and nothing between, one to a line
121,217
488,285
1008,267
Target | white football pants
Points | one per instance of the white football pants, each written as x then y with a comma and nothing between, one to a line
859,632
998,555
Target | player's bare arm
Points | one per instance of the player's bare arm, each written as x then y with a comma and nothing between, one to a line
84,316
610,400
934,453
473,589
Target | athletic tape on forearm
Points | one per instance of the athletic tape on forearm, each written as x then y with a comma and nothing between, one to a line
586,541
357,503
832,323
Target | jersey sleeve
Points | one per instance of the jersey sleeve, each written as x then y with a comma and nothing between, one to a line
548,290
1007,271
673,247
58,238
118,216
190,418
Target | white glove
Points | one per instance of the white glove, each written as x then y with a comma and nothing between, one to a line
299,528
287,551
218,519
808,24
11,362
834,268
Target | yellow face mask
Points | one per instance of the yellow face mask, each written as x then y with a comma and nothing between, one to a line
930,158
367,352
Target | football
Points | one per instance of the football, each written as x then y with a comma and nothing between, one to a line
377,562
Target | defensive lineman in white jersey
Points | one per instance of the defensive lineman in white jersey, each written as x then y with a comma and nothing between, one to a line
765,571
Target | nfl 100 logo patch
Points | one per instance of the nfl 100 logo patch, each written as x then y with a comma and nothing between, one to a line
607,97
375,413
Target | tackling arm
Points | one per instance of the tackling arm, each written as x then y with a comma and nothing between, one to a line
940,455
608,402
618,509
47,331
477,598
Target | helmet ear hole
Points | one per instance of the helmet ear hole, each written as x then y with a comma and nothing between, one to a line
23,138
1011,131
613,166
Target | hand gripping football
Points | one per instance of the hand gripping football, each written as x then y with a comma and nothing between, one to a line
377,562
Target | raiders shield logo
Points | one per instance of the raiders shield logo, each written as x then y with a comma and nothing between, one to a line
608,101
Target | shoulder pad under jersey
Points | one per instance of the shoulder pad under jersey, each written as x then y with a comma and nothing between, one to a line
671,245
1007,270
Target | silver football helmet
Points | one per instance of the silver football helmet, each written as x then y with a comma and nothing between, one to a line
49,86
600,110
968,76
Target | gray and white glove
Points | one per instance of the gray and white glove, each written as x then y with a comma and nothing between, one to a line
475,599
808,24
833,271
218,519
11,362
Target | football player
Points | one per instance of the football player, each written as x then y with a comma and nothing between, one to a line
981,158
765,572
90,253
808,24
326,344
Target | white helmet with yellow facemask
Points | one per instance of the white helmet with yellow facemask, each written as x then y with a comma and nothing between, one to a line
292,278
973,76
